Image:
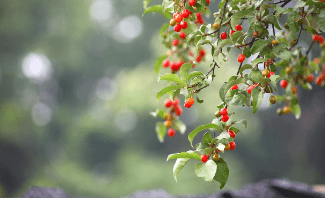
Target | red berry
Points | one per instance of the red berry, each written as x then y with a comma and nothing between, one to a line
320,39
249,89
192,2
174,66
266,64
177,28
208,2
165,63
318,81
178,110
241,58
178,18
232,145
199,15
283,83
239,27
168,103
270,74
204,158
198,59
255,34
191,54
232,31
189,103
310,78
182,35
234,87
175,42
219,150
183,25
322,76
176,102
185,13
199,21
223,35
224,112
232,133
225,118
171,132
202,52
317,38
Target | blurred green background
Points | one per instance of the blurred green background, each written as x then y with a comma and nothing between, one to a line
76,88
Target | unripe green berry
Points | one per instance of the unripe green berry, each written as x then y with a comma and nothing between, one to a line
217,114
273,99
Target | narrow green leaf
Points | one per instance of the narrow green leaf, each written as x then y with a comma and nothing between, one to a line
167,4
244,122
161,131
198,100
257,61
200,128
191,36
257,95
194,74
295,109
166,90
234,129
172,77
293,25
146,3
179,164
285,55
202,42
183,72
206,170
159,112
222,92
232,83
258,46
222,173
234,37
321,20
207,137
163,29
237,16
155,8
184,155
222,44
158,63
246,66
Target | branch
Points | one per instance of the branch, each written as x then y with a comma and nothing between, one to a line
297,38
307,52
223,14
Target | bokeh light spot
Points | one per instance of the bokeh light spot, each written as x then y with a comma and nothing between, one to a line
42,114
126,120
37,67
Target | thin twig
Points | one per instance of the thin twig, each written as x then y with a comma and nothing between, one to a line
307,52
223,14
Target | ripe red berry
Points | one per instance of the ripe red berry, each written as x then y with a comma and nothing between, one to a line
223,35
234,87
189,103
191,54
249,89
232,145
183,25
225,118
255,34
202,52
179,64
198,59
192,2
270,74
175,42
232,133
168,103
310,78
224,112
239,27
176,102
317,38
208,2
204,158
198,15
182,35
266,64
165,63
283,84
178,110
171,132
177,28
318,80
185,13
178,17
231,32
174,66
241,58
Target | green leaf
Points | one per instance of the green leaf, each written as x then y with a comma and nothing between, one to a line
179,164
163,29
257,61
184,155
293,25
237,16
183,72
172,77
161,131
258,46
246,66
166,90
257,77
191,36
207,137
247,51
167,4
200,128
202,42
194,74
321,20
158,63
257,95
180,126
176,93
222,92
244,122
222,44
232,83
155,8
146,3
222,173
234,129
299,5
198,100
285,55
159,112
206,170
295,109
234,37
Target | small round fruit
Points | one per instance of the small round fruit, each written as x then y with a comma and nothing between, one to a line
310,78
241,58
279,111
183,25
286,110
171,132
227,147
250,88
232,133
232,31
166,63
178,110
265,72
176,102
294,90
208,2
189,103
185,13
175,42
172,22
274,42
215,26
198,59
167,123
177,28
225,118
217,114
234,87
168,103
224,112
223,35
192,2
273,99
318,80
255,34
283,84
202,52
216,157
182,35
204,158
239,27
232,145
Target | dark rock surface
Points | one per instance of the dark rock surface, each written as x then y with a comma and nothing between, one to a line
269,188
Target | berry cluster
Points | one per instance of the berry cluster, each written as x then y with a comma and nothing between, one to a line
175,110
224,113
